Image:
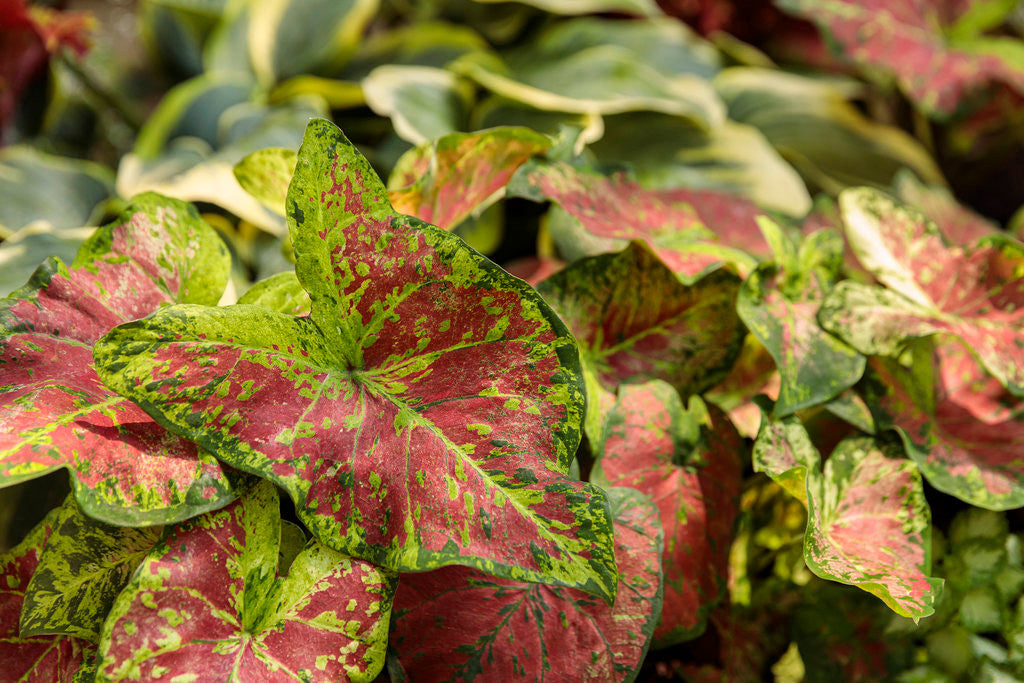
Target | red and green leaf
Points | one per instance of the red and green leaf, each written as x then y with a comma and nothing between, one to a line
81,570
424,414
690,230
32,658
957,223
974,293
688,462
869,525
54,410
783,450
495,629
207,603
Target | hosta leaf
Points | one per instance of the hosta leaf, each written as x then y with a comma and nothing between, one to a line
206,603
912,41
282,293
422,102
688,462
38,658
424,414
690,230
22,252
957,223
974,293
869,525
446,181
82,568
495,629
643,8
964,430
783,450
54,409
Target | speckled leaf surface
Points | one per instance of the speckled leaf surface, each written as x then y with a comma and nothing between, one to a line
779,304
282,293
908,38
424,414
38,658
54,410
964,430
207,603
957,223
490,629
82,568
690,230
869,525
783,450
688,461
974,293
456,176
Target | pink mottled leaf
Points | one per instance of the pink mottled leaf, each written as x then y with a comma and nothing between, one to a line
490,629
957,223
975,293
35,659
869,525
690,230
54,410
783,450
207,604
424,414
688,462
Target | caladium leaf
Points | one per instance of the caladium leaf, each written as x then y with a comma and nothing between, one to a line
265,175
448,180
974,293
674,223
961,427
206,603
35,658
83,567
427,408
779,304
501,630
869,525
282,293
54,409
688,462
783,450
957,223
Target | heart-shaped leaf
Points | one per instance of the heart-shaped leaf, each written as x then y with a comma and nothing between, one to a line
974,293
206,603
54,410
688,462
83,567
501,630
424,414
957,223
33,658
869,525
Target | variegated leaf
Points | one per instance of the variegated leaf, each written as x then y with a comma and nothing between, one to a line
54,410
265,175
282,293
207,604
974,293
424,414
688,462
957,223
784,451
461,624
869,525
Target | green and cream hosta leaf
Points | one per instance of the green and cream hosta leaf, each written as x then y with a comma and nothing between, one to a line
869,525
494,629
447,181
424,414
783,450
974,293
282,293
779,304
962,428
606,66
54,410
207,604
23,251
641,8
56,658
688,461
265,175
423,102
690,230
82,568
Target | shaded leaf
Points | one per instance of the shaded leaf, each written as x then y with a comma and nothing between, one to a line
428,406
22,252
206,602
54,409
642,8
783,450
869,525
497,629
974,293
688,462
422,102
82,568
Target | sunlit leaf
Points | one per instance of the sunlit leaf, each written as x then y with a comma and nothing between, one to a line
957,223
643,8
22,252
265,175
784,451
282,293
688,462
424,414
494,629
